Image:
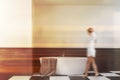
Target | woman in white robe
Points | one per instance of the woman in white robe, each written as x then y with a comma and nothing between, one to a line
91,52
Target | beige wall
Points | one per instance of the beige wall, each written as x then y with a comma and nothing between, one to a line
65,25
57,25
15,23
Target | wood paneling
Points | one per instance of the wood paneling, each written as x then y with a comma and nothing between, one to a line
26,60
44,52
107,58
16,60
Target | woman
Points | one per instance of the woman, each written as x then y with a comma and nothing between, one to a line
91,53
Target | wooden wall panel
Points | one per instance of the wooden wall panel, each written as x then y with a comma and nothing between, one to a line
107,58
26,60
44,52
16,60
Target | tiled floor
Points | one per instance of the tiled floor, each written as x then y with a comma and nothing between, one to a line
112,75
20,78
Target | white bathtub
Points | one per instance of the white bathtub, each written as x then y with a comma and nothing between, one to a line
70,65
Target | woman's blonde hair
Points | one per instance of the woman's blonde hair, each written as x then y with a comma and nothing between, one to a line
90,30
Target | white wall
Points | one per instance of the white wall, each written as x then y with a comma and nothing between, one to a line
15,23
117,28
65,25
57,25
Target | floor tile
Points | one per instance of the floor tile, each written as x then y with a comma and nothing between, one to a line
77,78
20,78
109,74
115,71
39,78
98,78
114,78
59,78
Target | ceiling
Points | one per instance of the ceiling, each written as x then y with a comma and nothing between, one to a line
77,2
